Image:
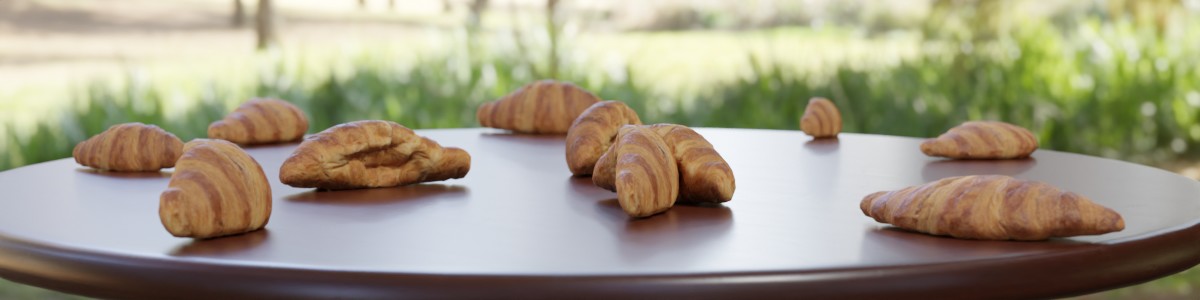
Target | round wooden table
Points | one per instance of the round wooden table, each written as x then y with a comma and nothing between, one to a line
520,226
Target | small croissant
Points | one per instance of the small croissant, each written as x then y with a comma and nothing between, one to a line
217,190
594,132
129,147
982,140
991,207
646,177
261,121
821,119
371,154
705,177
543,107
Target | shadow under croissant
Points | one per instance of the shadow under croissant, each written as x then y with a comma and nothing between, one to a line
377,196
938,169
581,187
678,232
222,246
893,245
117,174
822,146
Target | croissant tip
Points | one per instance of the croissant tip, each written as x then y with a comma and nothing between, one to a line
78,147
869,201
927,145
1120,224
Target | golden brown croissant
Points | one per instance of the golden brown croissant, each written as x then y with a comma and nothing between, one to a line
991,207
594,131
261,121
545,106
704,174
646,177
605,172
129,147
371,154
982,140
217,189
821,118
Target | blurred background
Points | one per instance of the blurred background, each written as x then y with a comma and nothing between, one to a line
1115,78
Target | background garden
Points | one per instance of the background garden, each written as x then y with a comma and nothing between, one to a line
1118,79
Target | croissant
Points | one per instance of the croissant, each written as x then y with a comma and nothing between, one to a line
982,140
217,190
704,174
371,154
991,207
646,177
261,121
129,147
604,175
594,131
821,118
541,107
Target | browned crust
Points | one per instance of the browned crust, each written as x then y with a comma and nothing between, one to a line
261,121
991,207
704,176
593,132
542,107
371,154
982,140
216,190
821,119
646,177
130,147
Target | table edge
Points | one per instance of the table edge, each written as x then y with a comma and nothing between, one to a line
112,275
109,275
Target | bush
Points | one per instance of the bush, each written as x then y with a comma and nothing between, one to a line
1134,101
1102,89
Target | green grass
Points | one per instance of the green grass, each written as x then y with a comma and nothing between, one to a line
13,290
1137,104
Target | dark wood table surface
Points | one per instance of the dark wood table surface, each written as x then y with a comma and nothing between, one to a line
520,226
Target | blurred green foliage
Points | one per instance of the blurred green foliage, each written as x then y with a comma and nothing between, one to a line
1136,101
1100,88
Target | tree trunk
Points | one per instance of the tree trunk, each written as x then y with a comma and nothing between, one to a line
362,4
553,28
474,20
266,24
391,4
239,14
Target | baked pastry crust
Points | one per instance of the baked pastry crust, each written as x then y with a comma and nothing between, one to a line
821,119
982,140
594,132
543,107
130,147
261,121
705,177
604,175
646,178
991,207
371,154
216,190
